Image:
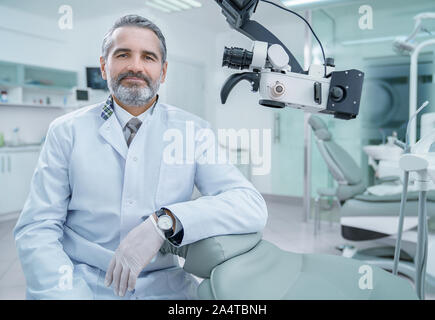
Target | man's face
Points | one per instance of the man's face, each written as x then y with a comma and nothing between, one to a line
133,69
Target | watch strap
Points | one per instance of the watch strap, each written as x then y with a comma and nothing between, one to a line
177,238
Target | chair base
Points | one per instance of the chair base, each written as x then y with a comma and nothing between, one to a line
357,234
383,257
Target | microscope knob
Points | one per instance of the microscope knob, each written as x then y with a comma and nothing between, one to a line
337,94
330,62
277,56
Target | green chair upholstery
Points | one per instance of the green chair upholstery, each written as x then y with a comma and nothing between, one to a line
236,267
340,163
355,203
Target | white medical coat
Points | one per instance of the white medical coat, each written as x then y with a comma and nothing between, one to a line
89,190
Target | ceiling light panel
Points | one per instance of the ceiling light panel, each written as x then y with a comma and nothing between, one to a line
168,6
154,5
313,3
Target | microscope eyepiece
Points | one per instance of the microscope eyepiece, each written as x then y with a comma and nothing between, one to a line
237,58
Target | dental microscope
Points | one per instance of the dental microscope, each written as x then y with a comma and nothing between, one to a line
276,74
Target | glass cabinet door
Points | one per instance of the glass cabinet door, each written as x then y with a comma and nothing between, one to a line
358,35
8,73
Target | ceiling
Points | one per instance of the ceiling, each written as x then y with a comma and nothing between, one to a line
88,10
396,7
208,16
391,18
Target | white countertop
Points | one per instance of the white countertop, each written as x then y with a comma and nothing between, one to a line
22,148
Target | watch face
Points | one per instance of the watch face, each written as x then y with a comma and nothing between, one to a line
165,223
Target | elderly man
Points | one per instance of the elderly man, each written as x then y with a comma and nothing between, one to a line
106,194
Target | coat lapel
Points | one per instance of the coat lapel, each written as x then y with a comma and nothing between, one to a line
112,132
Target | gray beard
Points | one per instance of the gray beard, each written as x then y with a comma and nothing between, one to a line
133,96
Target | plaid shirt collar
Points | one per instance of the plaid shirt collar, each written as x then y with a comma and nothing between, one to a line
108,107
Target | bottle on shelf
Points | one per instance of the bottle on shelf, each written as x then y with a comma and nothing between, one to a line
16,141
4,96
2,140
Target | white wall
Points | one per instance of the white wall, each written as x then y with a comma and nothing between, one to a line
39,41
31,39
242,109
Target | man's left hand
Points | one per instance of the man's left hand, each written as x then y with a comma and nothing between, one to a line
134,253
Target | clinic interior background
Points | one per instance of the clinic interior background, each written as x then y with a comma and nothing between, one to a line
30,35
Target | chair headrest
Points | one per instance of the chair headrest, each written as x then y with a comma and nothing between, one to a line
320,128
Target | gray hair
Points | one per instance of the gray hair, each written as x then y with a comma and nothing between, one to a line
135,21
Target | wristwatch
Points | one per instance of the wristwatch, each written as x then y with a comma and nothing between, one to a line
165,223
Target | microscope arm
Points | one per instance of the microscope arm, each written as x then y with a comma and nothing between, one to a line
238,14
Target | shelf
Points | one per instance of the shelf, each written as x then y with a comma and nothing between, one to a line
47,88
42,77
28,84
30,76
5,84
36,106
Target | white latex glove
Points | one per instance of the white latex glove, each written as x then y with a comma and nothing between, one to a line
134,253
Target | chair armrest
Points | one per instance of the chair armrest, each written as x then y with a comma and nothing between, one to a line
327,192
387,179
202,256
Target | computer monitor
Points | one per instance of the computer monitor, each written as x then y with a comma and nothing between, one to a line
94,79
82,95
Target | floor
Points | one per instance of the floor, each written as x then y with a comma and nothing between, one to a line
285,228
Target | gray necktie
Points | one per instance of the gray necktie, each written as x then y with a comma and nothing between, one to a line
134,125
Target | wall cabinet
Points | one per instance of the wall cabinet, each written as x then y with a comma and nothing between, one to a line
16,171
28,85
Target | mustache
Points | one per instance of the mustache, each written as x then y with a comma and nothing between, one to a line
136,75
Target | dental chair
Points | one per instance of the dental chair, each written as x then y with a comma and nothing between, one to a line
369,217
245,267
